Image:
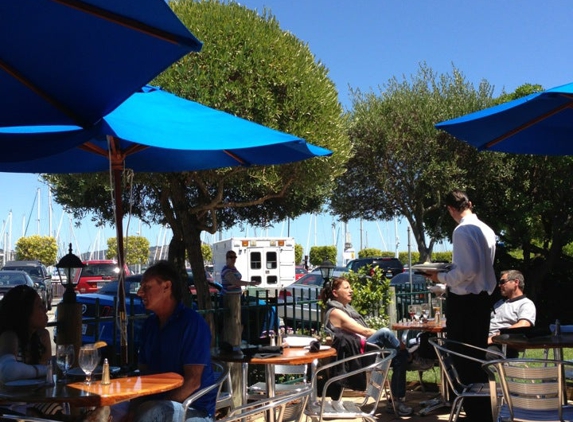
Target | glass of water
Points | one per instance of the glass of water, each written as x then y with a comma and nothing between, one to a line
88,360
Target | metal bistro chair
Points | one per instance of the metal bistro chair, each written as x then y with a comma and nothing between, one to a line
462,391
326,408
224,399
276,406
533,389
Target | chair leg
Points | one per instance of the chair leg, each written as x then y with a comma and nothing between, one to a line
420,377
456,409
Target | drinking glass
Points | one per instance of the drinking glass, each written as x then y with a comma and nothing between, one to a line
88,360
412,311
425,308
436,305
418,311
65,359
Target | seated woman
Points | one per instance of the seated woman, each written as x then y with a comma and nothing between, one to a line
342,318
25,346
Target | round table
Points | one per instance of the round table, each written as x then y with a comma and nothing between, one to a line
289,356
79,394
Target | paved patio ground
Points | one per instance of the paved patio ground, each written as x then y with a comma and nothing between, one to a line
413,398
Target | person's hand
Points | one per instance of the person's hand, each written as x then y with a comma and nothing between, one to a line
255,282
432,275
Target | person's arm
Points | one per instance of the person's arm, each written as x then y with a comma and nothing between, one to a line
10,368
342,320
231,279
191,383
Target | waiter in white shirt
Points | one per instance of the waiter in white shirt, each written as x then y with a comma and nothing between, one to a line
470,282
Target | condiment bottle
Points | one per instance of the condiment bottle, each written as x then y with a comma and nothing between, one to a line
105,373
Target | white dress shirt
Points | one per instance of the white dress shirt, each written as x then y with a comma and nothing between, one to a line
473,254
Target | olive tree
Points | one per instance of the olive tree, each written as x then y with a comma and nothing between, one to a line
402,165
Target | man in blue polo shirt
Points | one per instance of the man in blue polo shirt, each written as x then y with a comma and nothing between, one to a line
174,338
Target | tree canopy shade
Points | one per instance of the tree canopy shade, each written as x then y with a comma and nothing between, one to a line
402,165
251,68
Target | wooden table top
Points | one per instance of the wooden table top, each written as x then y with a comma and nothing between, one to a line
79,394
290,356
520,341
429,326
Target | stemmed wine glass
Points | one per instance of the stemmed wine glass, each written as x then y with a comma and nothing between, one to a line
418,310
412,311
425,309
88,360
65,358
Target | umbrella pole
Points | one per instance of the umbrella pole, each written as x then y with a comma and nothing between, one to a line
121,306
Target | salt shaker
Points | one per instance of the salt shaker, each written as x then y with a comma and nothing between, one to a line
105,373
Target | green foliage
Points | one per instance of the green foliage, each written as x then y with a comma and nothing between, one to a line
370,294
442,256
369,253
403,257
136,249
298,253
206,252
35,247
403,165
318,254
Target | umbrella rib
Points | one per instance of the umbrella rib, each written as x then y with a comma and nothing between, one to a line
32,87
236,158
512,132
130,23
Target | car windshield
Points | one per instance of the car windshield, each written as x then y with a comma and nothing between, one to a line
12,279
103,270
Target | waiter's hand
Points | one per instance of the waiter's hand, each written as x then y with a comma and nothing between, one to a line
432,275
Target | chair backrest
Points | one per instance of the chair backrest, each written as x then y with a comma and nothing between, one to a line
258,410
447,349
530,385
221,372
378,372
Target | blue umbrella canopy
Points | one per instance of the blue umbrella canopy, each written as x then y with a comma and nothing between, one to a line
152,131
540,123
71,62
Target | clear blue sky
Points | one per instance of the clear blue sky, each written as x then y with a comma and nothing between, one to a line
363,44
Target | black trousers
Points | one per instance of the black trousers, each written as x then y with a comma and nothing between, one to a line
468,322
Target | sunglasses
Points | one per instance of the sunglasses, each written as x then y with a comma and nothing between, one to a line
503,281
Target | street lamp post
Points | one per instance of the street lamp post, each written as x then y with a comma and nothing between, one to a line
69,311
326,270
67,264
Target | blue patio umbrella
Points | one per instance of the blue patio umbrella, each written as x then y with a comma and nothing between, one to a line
71,62
540,123
152,131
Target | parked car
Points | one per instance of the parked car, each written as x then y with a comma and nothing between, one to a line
299,271
96,274
38,273
9,279
298,302
391,266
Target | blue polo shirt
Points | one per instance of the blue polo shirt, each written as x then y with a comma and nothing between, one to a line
184,340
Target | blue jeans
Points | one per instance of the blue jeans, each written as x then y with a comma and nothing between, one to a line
386,338
166,410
